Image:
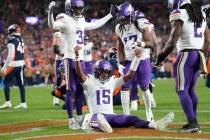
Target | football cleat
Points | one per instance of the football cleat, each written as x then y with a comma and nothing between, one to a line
73,124
192,127
55,101
7,104
21,105
165,121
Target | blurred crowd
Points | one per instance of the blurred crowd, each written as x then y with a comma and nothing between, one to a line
39,56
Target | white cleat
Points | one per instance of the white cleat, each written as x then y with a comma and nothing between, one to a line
105,126
165,121
7,104
134,105
55,101
73,125
21,105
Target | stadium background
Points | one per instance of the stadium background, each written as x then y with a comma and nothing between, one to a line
39,56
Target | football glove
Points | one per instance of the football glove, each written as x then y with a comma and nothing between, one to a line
114,10
51,6
160,58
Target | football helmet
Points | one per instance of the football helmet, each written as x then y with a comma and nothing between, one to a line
103,70
176,4
13,29
126,13
74,7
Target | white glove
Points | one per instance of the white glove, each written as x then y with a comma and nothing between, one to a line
120,69
51,6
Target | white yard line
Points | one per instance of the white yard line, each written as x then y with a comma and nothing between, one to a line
142,137
155,110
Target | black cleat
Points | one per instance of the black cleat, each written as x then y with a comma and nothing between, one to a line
192,127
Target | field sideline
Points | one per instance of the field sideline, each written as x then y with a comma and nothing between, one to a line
43,119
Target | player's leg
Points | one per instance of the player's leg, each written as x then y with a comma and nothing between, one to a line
10,72
153,103
70,76
134,93
183,69
125,96
58,80
20,83
126,121
144,74
80,97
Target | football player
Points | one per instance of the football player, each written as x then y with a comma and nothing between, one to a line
72,25
189,34
13,66
131,32
99,88
153,50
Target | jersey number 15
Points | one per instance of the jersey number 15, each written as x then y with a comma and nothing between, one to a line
103,96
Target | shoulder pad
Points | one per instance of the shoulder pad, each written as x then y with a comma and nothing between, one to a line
176,15
11,39
143,23
60,16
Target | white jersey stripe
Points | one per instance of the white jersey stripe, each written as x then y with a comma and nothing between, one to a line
181,71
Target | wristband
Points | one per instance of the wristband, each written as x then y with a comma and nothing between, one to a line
142,44
77,58
134,64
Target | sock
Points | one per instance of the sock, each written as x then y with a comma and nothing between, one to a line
125,100
147,99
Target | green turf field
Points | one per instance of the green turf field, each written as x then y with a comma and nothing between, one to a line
40,107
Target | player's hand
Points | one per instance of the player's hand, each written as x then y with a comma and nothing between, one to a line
159,59
2,72
76,50
138,52
114,10
51,6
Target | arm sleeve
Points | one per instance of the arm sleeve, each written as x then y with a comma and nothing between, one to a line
176,15
143,23
10,57
97,23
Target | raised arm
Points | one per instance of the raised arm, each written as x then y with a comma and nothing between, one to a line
134,66
51,7
171,43
98,23
79,70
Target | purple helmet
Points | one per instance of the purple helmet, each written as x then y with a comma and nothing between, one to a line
103,70
74,7
126,12
139,14
176,4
